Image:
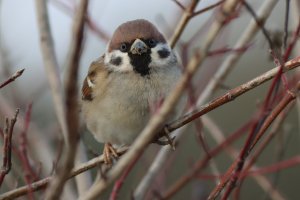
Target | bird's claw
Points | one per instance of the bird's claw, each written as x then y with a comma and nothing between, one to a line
109,152
169,140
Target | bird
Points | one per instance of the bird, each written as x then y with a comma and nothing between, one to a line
127,84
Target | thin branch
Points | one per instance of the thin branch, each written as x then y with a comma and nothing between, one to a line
72,118
230,61
92,25
275,129
152,172
182,7
12,78
260,24
275,167
281,105
228,50
7,147
41,184
201,164
286,23
51,65
286,55
262,181
199,12
186,16
119,183
237,166
292,43
231,95
30,175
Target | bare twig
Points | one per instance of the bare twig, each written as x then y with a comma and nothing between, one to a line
51,65
92,25
233,153
286,23
72,117
179,4
7,147
30,175
187,14
237,166
275,129
119,183
152,172
259,24
290,96
228,64
231,95
199,12
41,184
275,167
199,165
12,78
286,55
35,138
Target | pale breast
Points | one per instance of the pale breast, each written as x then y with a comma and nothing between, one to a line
123,110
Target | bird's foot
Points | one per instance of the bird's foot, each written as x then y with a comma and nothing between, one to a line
169,140
109,152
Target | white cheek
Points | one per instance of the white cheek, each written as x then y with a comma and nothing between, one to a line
125,66
157,61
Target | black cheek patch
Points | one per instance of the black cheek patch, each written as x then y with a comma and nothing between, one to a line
116,61
164,53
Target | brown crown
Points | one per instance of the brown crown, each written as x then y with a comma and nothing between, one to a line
131,30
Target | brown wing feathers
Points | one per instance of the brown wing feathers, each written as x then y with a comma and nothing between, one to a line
96,69
86,91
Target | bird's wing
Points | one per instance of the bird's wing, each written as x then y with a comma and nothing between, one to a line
97,71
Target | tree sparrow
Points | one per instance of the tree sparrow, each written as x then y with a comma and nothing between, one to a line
128,82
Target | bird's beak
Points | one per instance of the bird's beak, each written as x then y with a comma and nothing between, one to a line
138,47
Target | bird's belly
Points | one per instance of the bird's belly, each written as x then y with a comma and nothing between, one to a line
120,114
118,122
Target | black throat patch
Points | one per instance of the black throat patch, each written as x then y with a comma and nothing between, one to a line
141,62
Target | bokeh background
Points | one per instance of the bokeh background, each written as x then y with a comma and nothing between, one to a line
20,48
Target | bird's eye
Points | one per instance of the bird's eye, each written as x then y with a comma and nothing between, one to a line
152,43
123,47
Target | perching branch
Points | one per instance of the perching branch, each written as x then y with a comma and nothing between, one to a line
43,183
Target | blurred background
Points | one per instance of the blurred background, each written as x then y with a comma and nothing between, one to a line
20,48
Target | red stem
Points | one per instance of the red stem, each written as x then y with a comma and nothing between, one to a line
119,183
